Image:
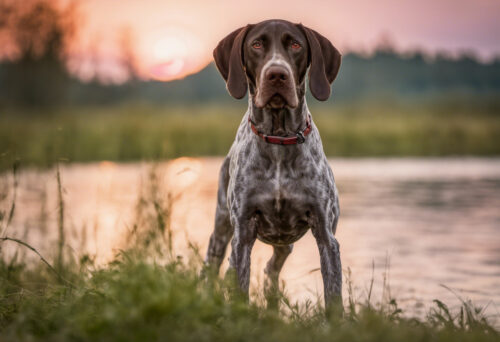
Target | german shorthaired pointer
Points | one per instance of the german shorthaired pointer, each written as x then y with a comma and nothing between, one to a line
276,183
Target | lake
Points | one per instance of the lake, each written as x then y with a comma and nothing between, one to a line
418,223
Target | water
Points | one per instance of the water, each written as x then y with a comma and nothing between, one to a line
420,223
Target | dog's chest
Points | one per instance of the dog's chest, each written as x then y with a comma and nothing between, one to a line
282,203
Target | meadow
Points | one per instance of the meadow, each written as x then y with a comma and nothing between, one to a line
443,126
147,293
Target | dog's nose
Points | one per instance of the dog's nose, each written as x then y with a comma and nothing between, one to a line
277,74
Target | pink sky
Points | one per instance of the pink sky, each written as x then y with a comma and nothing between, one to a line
179,36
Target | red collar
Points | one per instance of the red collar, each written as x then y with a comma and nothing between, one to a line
298,138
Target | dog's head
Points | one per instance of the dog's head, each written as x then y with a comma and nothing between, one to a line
272,58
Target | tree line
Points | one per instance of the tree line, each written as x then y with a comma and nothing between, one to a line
35,35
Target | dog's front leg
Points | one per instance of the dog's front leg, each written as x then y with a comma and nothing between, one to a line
331,268
245,233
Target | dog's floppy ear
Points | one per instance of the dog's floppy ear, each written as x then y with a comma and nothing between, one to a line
325,63
228,59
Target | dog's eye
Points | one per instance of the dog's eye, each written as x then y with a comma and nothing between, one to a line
295,46
257,45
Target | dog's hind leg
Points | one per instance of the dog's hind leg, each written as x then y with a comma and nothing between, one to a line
223,231
219,240
273,269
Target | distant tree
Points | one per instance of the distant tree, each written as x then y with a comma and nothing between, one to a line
385,44
128,60
35,34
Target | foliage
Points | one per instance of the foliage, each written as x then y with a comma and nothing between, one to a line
134,300
35,35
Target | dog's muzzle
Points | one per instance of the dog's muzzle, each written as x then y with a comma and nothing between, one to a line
277,88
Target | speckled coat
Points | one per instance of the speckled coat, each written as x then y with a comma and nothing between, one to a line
271,192
276,193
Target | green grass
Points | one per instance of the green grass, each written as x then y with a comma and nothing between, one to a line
148,294
439,127
135,300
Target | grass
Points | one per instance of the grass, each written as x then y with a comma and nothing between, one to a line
439,127
148,294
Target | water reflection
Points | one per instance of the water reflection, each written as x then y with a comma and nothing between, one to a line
435,221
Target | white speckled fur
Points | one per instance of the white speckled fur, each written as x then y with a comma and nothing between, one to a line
265,191
276,193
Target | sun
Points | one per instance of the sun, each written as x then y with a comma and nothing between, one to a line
170,53
170,47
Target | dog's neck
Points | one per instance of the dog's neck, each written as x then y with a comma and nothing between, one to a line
279,122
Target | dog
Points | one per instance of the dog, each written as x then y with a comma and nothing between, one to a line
275,183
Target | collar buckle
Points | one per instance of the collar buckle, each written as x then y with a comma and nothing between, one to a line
300,138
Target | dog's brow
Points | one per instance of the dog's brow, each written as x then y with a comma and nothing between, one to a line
259,36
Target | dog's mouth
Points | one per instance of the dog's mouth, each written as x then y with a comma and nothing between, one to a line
276,102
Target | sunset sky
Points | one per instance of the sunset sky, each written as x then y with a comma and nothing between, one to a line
174,38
